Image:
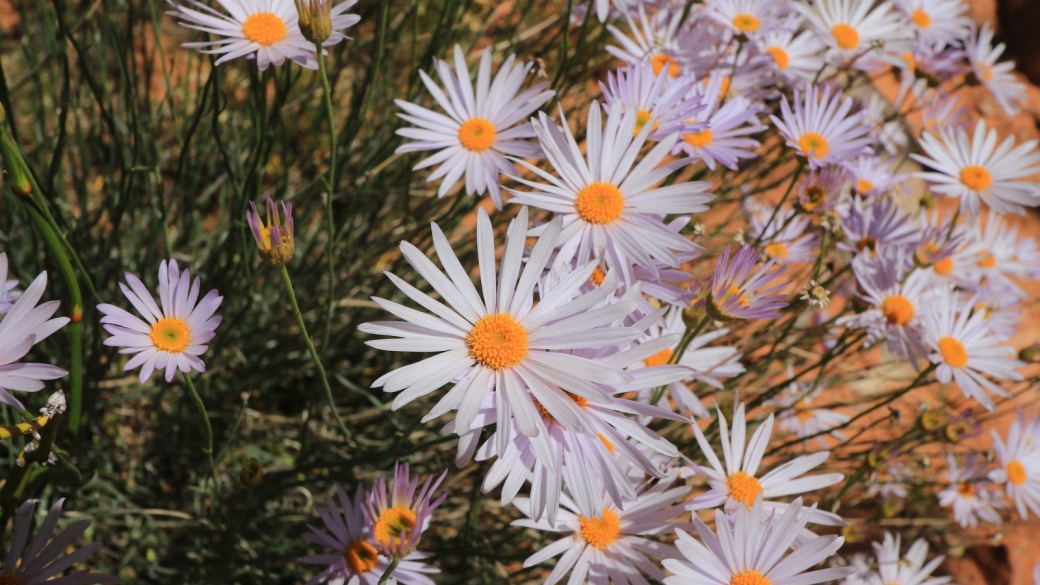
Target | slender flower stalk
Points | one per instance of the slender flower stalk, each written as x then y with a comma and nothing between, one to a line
208,449
330,186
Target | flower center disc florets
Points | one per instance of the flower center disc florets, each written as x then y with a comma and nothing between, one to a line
169,334
393,525
8,579
598,276
642,117
600,203
698,139
477,134
921,18
780,56
777,250
953,352
1016,473
897,309
845,36
264,28
361,557
745,23
966,489
660,61
749,578
743,488
498,341
600,532
812,144
976,178
660,358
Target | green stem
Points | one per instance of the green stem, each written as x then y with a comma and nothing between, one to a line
679,351
790,187
208,449
314,353
329,187
389,571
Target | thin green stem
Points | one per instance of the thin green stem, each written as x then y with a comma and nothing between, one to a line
314,353
208,449
389,571
330,185
679,351
790,187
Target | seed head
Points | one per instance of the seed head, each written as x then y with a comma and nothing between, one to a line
275,239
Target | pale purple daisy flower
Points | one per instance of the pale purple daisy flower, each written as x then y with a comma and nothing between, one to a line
734,292
798,417
356,560
173,334
24,326
891,484
655,38
1019,470
873,226
655,99
822,190
7,293
1001,304
872,176
894,569
399,516
943,22
784,238
39,561
998,77
478,131
821,127
971,495
798,58
944,111
750,18
724,139
853,28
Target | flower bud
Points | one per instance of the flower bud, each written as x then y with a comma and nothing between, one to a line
252,473
275,240
315,19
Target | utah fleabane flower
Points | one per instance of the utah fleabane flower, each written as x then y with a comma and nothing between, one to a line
7,293
734,292
173,334
821,127
400,515
998,77
936,21
971,495
477,130
894,569
1019,470
851,28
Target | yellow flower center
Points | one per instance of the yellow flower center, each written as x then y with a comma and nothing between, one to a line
659,359
845,36
598,276
169,334
780,56
498,341
911,62
734,292
864,186
745,23
976,178
749,578
804,411
264,28
477,134
966,489
944,266
812,144
953,352
600,203
393,526
361,557
600,532
777,250
988,261
1016,472
921,18
660,61
743,488
897,309
642,117
698,139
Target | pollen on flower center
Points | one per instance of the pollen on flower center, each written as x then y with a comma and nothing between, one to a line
393,525
845,36
598,276
944,266
921,18
743,488
600,532
599,203
864,186
660,358
361,557
777,250
780,56
169,334
897,309
966,489
745,23
976,178
953,352
581,401
642,117
264,28
660,61
477,134
498,341
1016,472
698,139
987,261
812,144
749,578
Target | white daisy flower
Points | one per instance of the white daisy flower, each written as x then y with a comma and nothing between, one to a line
265,30
964,349
479,129
171,337
501,341
998,77
1019,470
750,549
654,38
976,169
655,100
909,570
995,245
821,128
872,176
784,238
24,326
737,486
798,417
747,17
798,58
852,28
877,226
725,139
972,497
937,21
609,206
610,547
944,111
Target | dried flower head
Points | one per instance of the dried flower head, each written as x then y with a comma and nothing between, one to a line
315,19
275,239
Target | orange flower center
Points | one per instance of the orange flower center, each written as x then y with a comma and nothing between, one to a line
845,36
745,23
966,489
953,352
642,117
660,61
897,309
169,334
749,578
911,62
780,56
477,134
264,28
921,18
743,488
393,526
777,250
698,139
866,243
498,341
944,266
988,261
659,359
600,532
600,203
987,72
864,186
581,401
361,557
598,276
1016,472
976,178
804,413
812,144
